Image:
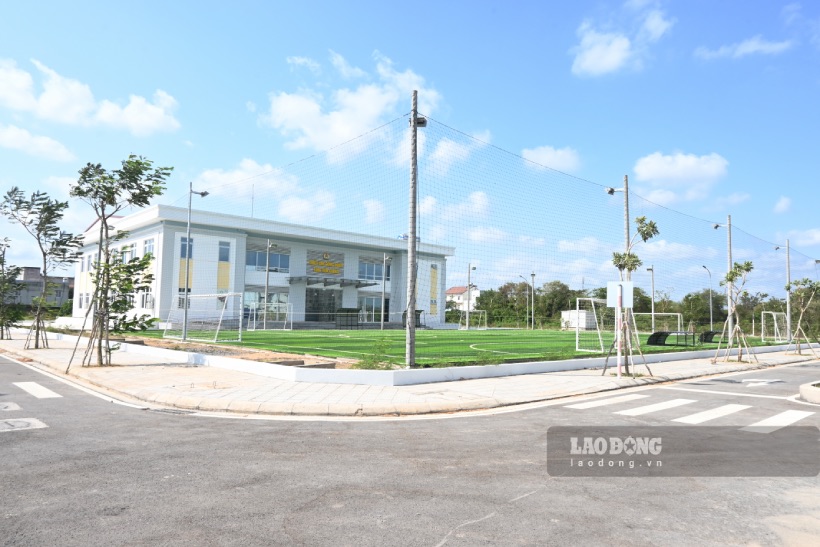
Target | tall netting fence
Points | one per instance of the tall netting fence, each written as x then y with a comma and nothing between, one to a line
508,242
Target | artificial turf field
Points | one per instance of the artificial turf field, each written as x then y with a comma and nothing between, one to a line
436,347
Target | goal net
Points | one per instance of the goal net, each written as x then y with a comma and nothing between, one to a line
274,316
210,318
478,320
773,327
668,322
594,324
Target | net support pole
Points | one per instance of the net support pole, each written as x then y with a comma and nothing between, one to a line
788,295
410,333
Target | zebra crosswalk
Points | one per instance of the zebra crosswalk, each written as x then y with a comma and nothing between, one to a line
702,416
14,423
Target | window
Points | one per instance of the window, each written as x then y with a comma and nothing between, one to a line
186,248
148,247
224,251
373,271
58,293
88,263
146,300
82,264
127,253
181,299
80,301
256,260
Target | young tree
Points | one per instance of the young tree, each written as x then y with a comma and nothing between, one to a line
134,184
737,277
802,293
627,262
40,216
10,312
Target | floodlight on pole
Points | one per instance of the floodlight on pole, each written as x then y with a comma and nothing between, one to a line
651,269
711,323
188,256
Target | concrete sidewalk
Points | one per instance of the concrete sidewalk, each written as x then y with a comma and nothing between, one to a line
172,382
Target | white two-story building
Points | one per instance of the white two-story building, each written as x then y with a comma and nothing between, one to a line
311,272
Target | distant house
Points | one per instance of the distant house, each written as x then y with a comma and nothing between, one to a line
460,296
31,279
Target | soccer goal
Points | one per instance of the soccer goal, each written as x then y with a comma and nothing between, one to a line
773,327
211,318
478,320
669,322
594,324
274,316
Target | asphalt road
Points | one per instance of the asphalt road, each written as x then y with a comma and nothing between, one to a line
97,473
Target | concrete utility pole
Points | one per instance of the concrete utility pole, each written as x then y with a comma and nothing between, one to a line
533,300
651,269
410,336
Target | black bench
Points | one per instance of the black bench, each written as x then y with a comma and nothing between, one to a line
671,338
708,337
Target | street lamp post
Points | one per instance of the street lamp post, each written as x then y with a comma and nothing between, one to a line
527,305
188,255
267,286
651,269
711,323
470,268
532,309
729,298
788,291
385,261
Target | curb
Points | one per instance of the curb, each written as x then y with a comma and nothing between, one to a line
810,392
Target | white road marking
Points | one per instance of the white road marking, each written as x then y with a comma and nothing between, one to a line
33,388
736,394
757,382
641,410
18,424
604,402
707,415
9,406
777,421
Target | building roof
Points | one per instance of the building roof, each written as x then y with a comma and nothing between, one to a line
164,213
456,290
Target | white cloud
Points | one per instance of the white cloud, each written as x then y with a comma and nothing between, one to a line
752,46
253,180
305,62
70,101
655,25
15,138
600,52
427,205
139,116
605,51
678,176
783,205
312,121
805,237
446,153
297,209
344,68
486,235
566,159
532,241
589,246
476,205
375,211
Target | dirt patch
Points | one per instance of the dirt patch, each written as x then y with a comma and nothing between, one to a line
247,354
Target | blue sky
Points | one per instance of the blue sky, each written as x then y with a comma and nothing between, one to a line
711,108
